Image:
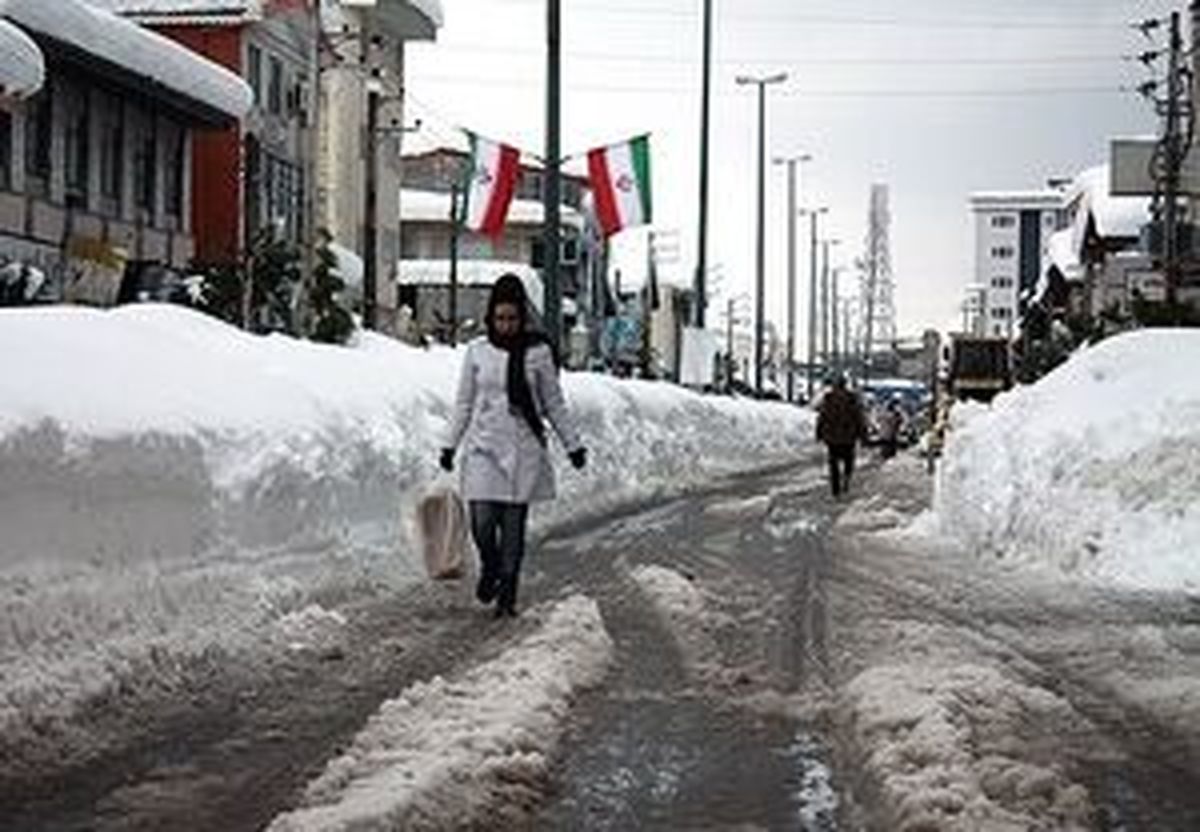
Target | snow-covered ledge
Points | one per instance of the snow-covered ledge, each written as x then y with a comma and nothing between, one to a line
23,70
130,47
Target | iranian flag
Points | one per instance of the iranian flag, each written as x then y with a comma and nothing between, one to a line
489,190
620,177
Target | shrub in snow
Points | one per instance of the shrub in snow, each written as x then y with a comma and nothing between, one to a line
329,322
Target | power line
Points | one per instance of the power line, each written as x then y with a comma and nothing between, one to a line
847,20
834,61
797,92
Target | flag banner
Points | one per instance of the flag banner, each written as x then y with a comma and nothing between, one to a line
492,180
620,179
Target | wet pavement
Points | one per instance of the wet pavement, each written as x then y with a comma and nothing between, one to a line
675,741
730,722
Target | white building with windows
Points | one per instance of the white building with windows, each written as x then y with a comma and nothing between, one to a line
1012,238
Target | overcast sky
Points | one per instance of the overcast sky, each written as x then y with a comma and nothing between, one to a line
936,98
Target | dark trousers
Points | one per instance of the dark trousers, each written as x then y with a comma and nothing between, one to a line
499,532
841,467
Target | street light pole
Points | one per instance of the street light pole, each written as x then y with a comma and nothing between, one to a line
826,302
552,185
702,236
760,304
813,214
793,164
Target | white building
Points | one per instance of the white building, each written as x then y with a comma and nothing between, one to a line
363,73
1012,237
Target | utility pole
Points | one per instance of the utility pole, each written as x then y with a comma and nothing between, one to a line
1174,151
370,209
835,314
813,214
760,302
552,184
729,363
452,311
793,164
702,236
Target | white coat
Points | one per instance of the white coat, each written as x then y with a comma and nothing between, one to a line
502,459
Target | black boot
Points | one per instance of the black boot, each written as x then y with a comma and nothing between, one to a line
487,588
506,603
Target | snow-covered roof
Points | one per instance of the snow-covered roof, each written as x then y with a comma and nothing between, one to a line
470,273
433,206
400,19
116,41
1114,216
1015,200
186,12
23,70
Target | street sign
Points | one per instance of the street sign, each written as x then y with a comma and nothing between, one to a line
1131,169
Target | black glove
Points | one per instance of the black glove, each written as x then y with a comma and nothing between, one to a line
578,457
447,459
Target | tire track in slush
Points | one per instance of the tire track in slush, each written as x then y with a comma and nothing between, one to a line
669,742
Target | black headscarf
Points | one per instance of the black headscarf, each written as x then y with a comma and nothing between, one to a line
509,289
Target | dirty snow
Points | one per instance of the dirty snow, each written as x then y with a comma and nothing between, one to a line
1093,472
170,485
454,753
944,742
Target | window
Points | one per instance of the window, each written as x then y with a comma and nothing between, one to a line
1002,252
1002,282
254,72
176,149
112,151
275,87
77,145
1001,312
1004,221
5,149
39,122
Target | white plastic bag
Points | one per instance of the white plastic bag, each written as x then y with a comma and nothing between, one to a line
442,528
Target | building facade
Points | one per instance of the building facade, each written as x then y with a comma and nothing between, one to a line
1012,237
363,81
96,168
253,178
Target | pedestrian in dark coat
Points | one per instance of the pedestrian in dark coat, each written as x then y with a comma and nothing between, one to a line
840,425
891,423
507,387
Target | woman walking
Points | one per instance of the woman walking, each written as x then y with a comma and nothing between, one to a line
508,384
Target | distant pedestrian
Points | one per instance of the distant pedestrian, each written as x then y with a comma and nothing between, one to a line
508,385
891,424
840,425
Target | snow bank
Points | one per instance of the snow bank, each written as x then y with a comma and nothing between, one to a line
938,740
1094,470
169,484
450,754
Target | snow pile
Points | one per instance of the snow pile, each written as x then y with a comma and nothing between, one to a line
170,485
452,754
687,615
940,744
1094,470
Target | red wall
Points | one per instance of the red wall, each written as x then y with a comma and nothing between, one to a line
216,154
